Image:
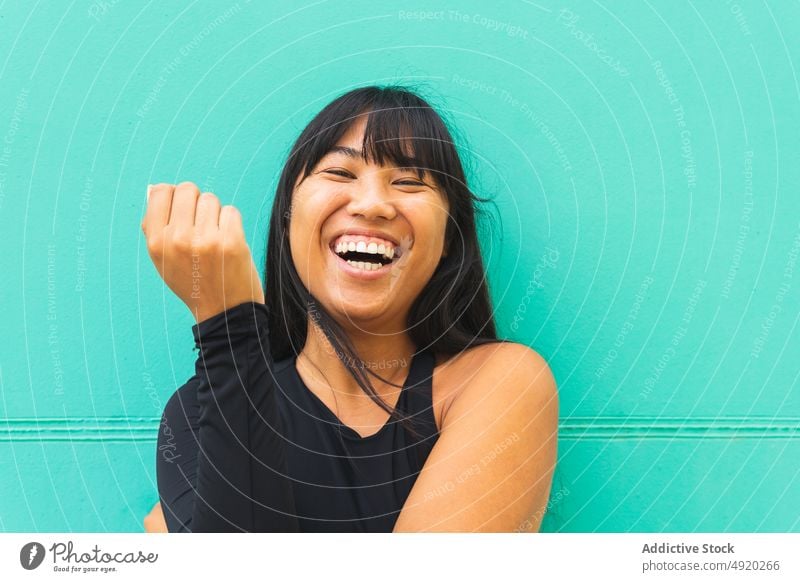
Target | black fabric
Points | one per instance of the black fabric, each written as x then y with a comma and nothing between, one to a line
244,445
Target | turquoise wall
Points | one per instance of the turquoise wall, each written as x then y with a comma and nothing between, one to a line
643,159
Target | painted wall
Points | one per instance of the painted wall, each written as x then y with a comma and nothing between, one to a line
643,163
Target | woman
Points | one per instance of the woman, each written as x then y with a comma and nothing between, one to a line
368,392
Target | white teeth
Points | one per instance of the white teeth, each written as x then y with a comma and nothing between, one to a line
364,266
386,250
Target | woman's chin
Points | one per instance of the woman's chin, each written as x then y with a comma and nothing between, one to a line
357,307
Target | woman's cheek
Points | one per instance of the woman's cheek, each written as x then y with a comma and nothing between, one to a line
300,243
430,219
306,245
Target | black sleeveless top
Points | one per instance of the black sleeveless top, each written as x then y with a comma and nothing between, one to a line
244,445
341,480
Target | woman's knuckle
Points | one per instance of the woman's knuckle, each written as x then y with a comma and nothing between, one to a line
182,243
203,246
231,246
155,245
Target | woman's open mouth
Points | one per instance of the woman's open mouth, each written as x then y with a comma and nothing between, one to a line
364,257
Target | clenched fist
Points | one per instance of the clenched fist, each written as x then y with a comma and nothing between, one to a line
199,249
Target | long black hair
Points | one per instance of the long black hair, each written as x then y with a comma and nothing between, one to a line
453,312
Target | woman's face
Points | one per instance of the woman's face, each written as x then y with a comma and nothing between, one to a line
365,239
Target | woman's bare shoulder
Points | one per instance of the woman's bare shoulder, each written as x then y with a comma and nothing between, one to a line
455,374
500,354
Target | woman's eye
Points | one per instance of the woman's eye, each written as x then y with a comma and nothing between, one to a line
342,173
346,174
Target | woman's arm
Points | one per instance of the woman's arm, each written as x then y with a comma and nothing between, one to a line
242,482
200,251
222,463
492,466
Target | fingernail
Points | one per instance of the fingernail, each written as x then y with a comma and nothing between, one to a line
148,191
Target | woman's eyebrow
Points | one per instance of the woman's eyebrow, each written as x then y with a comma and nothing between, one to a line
348,151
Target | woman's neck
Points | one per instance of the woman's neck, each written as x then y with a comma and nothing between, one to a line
387,355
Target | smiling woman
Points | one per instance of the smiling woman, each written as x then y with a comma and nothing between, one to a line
366,390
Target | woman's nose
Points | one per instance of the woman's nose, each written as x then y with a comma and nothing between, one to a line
371,199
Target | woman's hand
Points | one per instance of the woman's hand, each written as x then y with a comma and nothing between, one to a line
199,249
154,521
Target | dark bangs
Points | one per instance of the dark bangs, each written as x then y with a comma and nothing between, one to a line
402,130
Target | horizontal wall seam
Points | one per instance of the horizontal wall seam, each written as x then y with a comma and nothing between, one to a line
145,429
664,427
